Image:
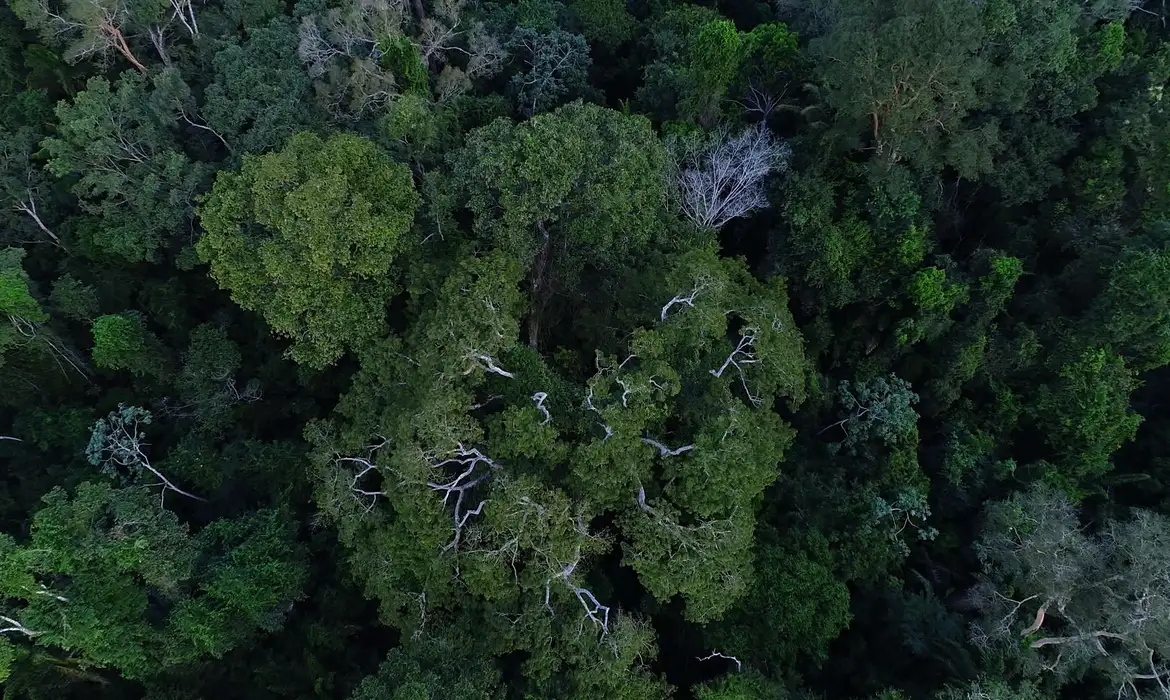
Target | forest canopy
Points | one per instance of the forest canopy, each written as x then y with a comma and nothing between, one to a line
584,350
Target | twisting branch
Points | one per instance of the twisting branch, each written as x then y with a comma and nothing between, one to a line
688,300
589,405
721,655
665,451
595,612
368,498
488,364
540,397
468,463
744,354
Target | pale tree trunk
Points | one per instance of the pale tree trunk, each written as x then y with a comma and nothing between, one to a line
29,208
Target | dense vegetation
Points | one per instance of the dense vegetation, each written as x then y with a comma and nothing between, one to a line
585,349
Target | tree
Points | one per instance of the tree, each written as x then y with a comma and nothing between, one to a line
556,64
933,50
27,198
122,342
580,186
880,408
132,176
117,448
89,28
260,95
307,236
110,553
725,180
794,608
1078,600
700,57
1085,415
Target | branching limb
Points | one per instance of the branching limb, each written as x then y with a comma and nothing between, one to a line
474,468
744,354
665,451
540,397
687,300
28,207
720,655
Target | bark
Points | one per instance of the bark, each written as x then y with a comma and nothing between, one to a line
1049,641
540,289
119,42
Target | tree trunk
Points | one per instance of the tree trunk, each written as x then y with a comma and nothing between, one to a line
119,42
540,289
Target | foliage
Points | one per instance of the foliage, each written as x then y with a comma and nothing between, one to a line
307,236
584,349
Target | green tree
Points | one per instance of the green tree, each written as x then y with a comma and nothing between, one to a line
581,186
120,142
260,95
123,342
308,236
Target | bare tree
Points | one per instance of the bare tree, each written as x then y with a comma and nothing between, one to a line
725,179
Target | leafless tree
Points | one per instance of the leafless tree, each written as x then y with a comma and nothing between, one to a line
725,180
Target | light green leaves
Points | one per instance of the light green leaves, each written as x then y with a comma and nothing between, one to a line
308,236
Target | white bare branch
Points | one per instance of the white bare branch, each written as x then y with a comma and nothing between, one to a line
727,180
473,468
488,364
688,300
665,451
595,612
28,207
721,655
16,626
744,354
185,13
540,397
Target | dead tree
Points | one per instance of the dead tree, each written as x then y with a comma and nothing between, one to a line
726,180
